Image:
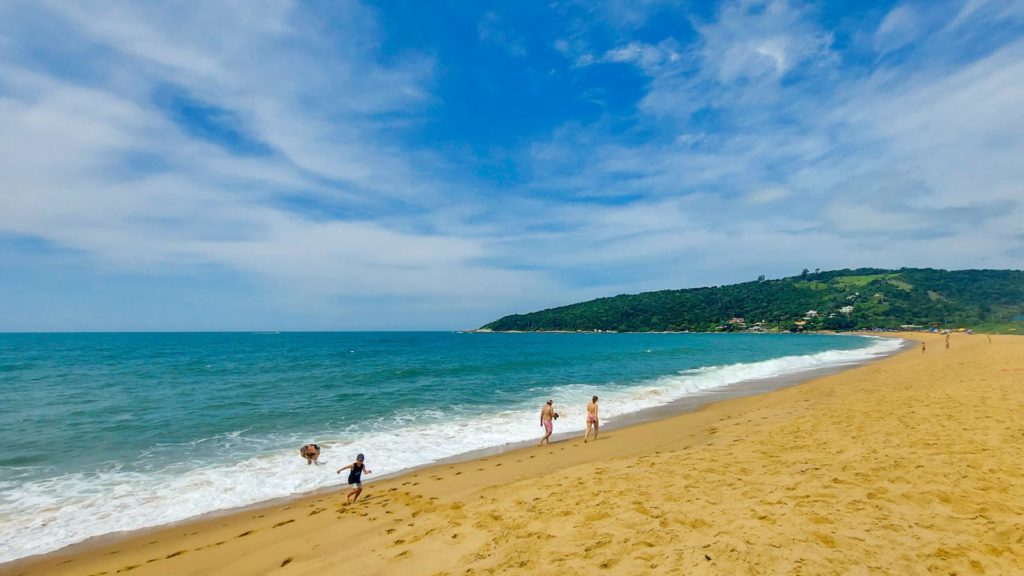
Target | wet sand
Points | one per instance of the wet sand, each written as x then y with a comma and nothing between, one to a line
913,464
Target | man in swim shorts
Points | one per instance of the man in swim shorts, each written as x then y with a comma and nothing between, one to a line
547,416
591,419
311,452
355,480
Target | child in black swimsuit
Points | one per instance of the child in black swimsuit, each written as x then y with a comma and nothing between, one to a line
355,478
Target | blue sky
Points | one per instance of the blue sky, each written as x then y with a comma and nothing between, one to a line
263,164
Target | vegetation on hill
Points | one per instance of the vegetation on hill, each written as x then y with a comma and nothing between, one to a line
836,300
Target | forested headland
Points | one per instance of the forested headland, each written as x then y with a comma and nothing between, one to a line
865,298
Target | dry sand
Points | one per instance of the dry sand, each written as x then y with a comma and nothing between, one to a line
910,465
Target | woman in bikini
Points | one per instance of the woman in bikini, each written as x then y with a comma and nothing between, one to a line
591,419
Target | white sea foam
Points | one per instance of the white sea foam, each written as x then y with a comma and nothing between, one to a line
44,515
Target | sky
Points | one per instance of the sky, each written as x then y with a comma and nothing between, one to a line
404,165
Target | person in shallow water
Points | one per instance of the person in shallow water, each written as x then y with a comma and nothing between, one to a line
355,478
547,416
311,452
591,419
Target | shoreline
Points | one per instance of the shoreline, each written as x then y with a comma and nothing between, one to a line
431,491
689,403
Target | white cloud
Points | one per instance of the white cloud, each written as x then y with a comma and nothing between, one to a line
987,12
754,39
901,26
70,151
768,195
647,57
752,151
843,168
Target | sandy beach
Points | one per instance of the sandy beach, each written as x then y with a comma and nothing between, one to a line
909,465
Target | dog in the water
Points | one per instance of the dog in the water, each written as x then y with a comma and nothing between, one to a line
310,452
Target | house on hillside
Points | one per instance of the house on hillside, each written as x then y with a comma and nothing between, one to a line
811,314
846,310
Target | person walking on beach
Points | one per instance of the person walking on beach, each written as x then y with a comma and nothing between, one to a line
355,478
947,341
311,452
591,419
547,417
922,347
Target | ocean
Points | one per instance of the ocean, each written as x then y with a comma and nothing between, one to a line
109,432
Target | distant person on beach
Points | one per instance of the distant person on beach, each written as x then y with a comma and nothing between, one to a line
591,419
922,347
947,341
311,452
547,417
355,478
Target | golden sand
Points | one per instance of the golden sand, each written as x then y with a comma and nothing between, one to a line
910,465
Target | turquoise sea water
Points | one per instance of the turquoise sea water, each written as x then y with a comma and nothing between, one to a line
108,432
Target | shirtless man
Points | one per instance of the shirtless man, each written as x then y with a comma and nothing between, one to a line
547,415
591,419
311,452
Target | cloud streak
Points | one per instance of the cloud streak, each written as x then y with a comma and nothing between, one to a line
292,150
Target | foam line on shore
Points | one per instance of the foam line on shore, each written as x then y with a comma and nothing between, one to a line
45,515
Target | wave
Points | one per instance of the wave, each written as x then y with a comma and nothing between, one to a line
43,515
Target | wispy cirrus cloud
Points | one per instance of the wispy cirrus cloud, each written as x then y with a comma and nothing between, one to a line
769,113
338,165
264,150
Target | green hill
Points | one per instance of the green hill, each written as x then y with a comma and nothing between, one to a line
991,300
